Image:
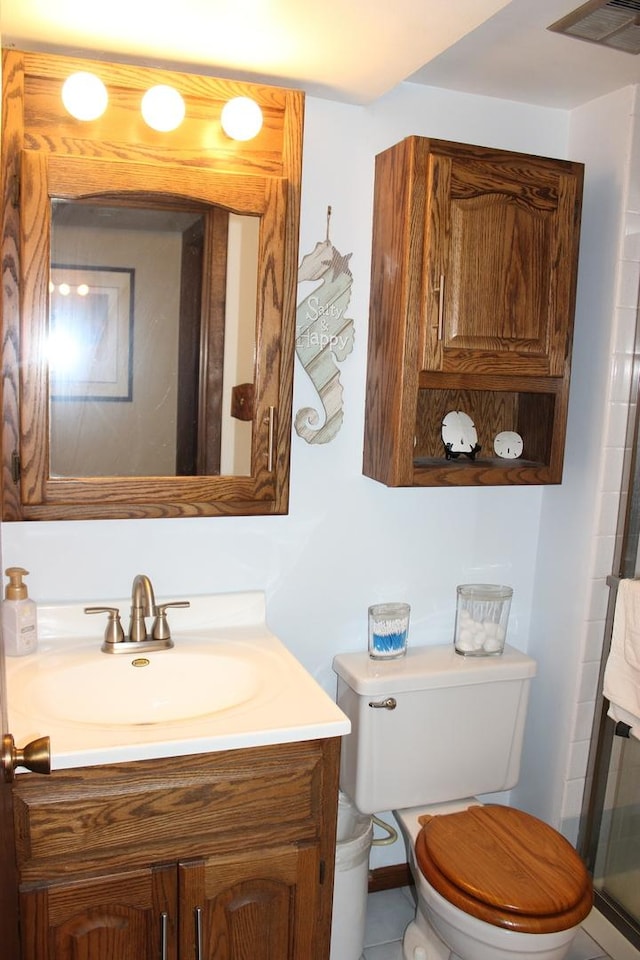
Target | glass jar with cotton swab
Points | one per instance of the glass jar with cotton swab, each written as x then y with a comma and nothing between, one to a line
388,630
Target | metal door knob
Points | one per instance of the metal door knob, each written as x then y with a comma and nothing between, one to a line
36,756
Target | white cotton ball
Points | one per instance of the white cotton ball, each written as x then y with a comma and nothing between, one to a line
490,628
465,642
492,644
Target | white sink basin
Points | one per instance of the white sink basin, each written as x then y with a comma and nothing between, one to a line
227,683
86,686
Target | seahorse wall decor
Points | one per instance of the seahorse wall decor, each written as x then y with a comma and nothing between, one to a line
324,336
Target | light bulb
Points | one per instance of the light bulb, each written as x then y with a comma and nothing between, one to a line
163,108
84,96
241,118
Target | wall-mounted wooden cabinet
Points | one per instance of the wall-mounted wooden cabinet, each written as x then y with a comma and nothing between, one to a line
472,299
216,856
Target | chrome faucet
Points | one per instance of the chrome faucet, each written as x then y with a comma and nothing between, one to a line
143,604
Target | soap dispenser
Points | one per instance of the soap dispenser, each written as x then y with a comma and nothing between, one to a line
19,617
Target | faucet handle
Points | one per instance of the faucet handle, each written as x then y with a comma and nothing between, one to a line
160,629
113,632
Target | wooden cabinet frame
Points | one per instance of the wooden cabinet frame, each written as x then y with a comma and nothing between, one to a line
473,284
226,849
45,154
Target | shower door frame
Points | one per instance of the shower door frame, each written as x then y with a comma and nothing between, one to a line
625,565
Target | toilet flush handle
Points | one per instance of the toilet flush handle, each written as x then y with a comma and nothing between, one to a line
389,704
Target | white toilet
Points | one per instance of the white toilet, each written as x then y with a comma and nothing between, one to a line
429,732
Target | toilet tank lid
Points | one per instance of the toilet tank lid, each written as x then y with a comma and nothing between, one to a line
425,668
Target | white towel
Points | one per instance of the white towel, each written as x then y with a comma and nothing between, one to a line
622,670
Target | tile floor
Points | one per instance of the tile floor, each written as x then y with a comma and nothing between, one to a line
389,911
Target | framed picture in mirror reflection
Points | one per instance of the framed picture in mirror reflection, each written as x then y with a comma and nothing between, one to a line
90,342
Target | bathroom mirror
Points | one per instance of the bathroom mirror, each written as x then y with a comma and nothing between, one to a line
145,342
149,298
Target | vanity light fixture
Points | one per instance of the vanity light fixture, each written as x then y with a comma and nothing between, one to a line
65,289
84,96
241,118
163,108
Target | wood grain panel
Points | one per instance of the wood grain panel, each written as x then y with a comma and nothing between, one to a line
12,124
113,917
127,814
256,903
109,856
119,154
396,296
122,134
472,299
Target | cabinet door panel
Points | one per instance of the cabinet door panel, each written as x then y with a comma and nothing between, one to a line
259,906
115,917
498,251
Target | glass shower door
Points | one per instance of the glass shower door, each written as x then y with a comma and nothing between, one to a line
616,872
609,837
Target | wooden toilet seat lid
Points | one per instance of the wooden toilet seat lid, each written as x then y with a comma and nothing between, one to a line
506,867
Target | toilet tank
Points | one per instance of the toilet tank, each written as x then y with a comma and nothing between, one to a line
455,731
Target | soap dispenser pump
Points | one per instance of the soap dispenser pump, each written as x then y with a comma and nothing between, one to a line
19,617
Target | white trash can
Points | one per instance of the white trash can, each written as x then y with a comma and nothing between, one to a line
351,884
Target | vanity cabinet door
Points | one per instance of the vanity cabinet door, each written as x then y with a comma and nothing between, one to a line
261,904
500,233
238,844
125,915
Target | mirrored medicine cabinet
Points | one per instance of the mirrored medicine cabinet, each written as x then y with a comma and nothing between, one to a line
148,302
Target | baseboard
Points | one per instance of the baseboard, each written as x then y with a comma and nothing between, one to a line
387,878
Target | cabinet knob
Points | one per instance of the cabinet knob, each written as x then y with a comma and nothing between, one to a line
36,756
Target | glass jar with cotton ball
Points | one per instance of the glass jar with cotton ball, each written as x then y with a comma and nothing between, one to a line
482,615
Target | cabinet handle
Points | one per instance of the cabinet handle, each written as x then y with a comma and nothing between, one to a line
164,925
440,291
197,914
270,419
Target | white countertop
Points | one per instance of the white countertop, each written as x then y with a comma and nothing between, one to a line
290,707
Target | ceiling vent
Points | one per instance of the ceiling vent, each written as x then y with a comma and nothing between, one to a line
609,23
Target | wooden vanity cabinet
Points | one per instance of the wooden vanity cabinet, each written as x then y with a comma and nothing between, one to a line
226,855
472,300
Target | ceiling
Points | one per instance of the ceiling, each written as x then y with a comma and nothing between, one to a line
352,51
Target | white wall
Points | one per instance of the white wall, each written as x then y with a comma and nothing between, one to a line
348,541
578,520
